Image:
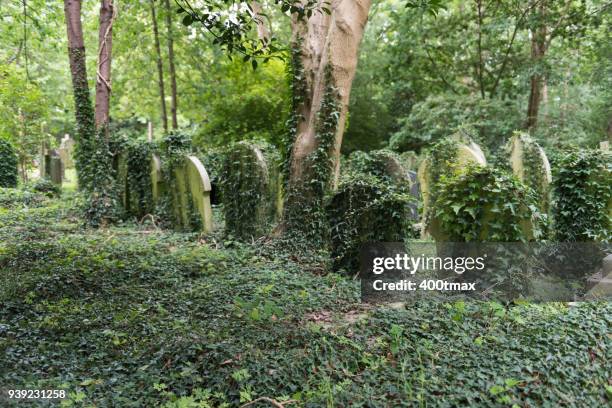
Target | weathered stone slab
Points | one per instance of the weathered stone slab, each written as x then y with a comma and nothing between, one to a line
158,185
66,151
529,164
200,189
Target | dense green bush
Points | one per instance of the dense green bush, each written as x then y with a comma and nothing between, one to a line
8,165
47,187
582,196
485,204
365,210
250,189
438,116
384,164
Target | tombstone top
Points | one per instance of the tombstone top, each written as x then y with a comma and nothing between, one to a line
197,164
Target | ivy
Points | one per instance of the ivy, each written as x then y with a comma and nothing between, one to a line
582,196
305,202
298,91
250,190
486,204
8,165
365,210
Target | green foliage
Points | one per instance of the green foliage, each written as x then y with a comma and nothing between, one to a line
365,210
173,149
485,204
134,153
582,196
250,190
123,318
24,112
494,120
8,165
242,105
47,187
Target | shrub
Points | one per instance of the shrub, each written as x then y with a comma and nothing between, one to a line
438,116
364,210
47,187
8,165
582,196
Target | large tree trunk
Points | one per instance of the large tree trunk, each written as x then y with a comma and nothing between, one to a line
160,68
539,46
103,76
328,50
174,102
84,113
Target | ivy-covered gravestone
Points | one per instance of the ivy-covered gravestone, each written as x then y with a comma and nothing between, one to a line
250,190
8,165
364,210
66,150
529,164
444,159
582,192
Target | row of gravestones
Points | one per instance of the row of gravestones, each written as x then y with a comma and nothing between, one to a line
523,156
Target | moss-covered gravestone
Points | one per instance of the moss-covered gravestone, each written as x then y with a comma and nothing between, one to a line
445,157
8,165
250,190
66,151
158,186
410,160
529,164
364,210
190,191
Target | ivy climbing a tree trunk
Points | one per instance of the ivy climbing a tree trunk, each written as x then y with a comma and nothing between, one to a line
173,101
84,114
93,160
326,50
539,45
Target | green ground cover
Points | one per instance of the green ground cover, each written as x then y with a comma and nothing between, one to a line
134,316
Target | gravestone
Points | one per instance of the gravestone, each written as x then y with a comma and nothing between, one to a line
122,179
463,152
190,195
66,151
51,165
158,186
529,164
200,188
250,190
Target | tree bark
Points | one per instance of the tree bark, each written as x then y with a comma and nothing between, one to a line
160,68
174,102
103,76
329,50
539,46
84,114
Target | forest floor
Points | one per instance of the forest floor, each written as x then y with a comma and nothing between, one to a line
137,316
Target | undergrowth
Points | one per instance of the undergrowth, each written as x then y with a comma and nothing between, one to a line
133,317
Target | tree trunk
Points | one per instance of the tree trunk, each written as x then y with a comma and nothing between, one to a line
103,76
84,113
174,102
160,68
539,45
328,50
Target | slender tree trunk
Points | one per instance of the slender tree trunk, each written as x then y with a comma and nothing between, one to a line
328,47
539,45
160,68
480,62
103,76
84,113
174,102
